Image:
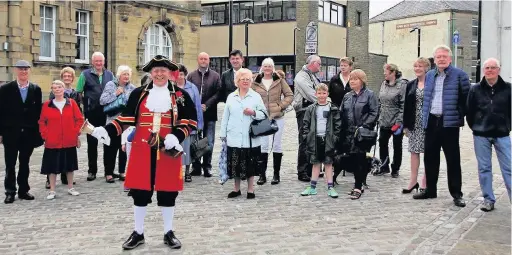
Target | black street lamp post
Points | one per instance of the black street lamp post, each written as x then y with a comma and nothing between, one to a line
419,39
295,29
247,21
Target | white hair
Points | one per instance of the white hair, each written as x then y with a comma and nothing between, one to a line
121,69
58,82
98,54
312,58
242,72
442,47
268,62
492,59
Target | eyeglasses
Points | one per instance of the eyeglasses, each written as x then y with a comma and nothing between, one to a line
491,67
245,80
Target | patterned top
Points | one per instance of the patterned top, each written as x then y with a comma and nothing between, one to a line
437,101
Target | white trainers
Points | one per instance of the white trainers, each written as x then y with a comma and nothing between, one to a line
51,195
73,192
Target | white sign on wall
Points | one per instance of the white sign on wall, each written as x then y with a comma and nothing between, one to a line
311,38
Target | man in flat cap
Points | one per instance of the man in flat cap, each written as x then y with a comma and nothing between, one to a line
164,115
20,107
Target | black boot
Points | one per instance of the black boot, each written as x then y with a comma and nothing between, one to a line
277,168
188,177
262,168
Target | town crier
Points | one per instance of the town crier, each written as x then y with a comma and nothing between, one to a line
163,116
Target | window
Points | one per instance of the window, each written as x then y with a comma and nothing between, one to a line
219,64
331,13
358,19
474,28
328,69
275,10
214,14
258,11
157,42
47,30
82,37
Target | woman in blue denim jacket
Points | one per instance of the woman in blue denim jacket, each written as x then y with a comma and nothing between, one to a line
193,92
242,107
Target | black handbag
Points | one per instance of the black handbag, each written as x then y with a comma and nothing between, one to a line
199,147
263,127
365,138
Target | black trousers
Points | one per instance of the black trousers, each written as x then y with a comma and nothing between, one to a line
18,145
303,165
384,135
97,118
143,197
360,167
437,137
110,155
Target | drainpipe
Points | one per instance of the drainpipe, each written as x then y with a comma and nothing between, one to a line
479,46
105,32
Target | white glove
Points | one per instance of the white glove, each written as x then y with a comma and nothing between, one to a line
171,141
101,134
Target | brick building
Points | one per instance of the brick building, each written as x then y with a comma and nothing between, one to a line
342,28
391,32
55,34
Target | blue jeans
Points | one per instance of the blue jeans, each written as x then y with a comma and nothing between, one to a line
483,151
209,131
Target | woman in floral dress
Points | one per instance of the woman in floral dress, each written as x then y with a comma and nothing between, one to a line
413,122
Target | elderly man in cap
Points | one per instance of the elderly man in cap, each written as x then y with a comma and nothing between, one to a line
164,116
20,107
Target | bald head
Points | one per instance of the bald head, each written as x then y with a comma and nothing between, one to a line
203,60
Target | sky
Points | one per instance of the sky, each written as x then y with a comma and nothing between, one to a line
378,6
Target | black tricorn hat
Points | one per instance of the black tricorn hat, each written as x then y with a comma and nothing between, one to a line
159,61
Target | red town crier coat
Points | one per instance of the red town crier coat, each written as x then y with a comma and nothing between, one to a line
60,130
179,121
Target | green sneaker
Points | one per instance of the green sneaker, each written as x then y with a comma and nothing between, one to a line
308,191
332,193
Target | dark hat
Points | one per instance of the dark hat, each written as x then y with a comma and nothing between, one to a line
159,61
22,64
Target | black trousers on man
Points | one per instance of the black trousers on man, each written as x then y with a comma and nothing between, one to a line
384,135
97,118
18,145
303,165
110,156
437,137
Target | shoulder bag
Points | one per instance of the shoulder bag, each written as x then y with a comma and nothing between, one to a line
199,146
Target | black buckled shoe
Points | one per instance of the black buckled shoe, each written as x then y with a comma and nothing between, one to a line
133,241
9,199
207,173
459,202
91,177
188,178
171,240
25,196
262,180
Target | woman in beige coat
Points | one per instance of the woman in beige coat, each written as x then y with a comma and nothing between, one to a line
277,96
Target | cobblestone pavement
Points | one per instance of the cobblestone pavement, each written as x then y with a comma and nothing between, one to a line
278,221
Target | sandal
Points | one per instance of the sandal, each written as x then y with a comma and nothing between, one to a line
352,190
355,195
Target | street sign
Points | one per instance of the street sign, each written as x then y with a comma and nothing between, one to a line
456,37
311,45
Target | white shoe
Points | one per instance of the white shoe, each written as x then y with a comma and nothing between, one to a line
51,195
73,192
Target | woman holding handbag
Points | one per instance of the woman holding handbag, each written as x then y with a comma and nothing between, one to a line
277,96
193,92
242,107
359,112
114,99
59,125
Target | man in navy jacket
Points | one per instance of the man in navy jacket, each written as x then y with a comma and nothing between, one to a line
444,108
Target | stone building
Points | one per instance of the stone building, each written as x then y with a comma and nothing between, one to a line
53,34
341,26
393,32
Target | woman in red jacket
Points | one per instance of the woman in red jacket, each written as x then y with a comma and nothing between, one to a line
59,125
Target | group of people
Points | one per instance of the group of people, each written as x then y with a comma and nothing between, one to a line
159,120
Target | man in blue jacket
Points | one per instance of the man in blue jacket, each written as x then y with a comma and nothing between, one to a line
444,108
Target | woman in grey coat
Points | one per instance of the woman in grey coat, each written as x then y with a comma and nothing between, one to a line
120,87
391,114
359,109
